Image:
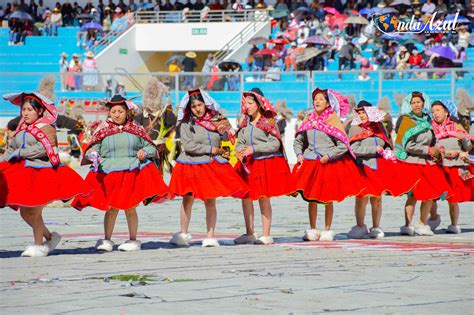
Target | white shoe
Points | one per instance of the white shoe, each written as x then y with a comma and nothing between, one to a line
130,246
358,232
104,245
455,229
376,233
181,239
246,239
327,236
407,230
53,242
35,251
264,240
423,230
210,242
433,224
311,235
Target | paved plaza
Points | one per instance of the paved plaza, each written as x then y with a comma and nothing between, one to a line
399,274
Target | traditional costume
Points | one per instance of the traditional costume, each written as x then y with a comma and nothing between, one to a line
380,168
120,180
266,170
31,173
324,135
412,147
198,172
458,170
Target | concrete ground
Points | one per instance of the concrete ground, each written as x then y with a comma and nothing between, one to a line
398,274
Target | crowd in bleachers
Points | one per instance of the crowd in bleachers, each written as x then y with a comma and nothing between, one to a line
307,37
95,22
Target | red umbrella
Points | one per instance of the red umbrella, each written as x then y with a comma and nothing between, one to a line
268,52
338,20
289,35
279,41
331,10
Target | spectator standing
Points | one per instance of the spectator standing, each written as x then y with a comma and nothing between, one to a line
73,79
107,21
13,32
189,64
67,12
346,58
63,66
388,62
290,60
130,18
207,69
173,68
120,22
89,68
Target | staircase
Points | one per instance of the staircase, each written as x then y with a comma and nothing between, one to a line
261,20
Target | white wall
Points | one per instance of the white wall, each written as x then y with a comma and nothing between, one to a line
179,37
110,58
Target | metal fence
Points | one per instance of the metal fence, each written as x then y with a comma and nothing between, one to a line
143,17
226,87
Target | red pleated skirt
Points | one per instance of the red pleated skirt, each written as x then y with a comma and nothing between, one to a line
22,186
389,178
269,177
124,189
324,183
207,181
432,182
460,190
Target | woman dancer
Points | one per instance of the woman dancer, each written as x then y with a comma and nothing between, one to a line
202,169
31,174
122,172
415,147
455,145
373,148
325,171
262,164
